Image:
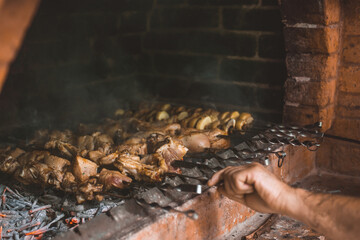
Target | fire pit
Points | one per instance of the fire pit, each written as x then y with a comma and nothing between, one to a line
69,62
146,206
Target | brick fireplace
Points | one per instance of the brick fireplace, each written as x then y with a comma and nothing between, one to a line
295,60
322,46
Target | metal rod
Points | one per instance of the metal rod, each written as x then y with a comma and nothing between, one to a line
342,138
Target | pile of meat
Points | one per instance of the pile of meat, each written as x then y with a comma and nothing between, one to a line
137,145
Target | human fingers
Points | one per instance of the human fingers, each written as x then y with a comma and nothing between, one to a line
238,198
216,178
237,178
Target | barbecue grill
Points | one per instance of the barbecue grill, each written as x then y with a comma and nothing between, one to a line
292,64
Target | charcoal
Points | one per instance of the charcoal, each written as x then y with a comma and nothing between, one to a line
154,195
193,172
173,181
226,154
213,162
176,196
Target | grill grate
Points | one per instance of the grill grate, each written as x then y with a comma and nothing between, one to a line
253,145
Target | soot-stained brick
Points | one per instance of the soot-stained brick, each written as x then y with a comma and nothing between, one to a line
172,2
236,44
253,71
130,44
222,93
223,2
269,98
252,19
185,18
270,3
188,66
165,87
271,46
133,22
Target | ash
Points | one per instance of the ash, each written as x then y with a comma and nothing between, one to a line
28,215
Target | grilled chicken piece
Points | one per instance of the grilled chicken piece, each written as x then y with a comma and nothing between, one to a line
66,149
130,164
8,159
155,127
69,183
41,172
56,163
17,152
96,142
113,179
109,159
40,137
215,141
38,173
95,156
63,136
88,190
103,142
31,158
134,149
25,175
157,160
154,141
170,151
9,165
195,141
86,143
83,169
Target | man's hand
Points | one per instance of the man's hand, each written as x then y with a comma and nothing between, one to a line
255,187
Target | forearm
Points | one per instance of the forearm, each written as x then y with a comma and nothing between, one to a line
333,215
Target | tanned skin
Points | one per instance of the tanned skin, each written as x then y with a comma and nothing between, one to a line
337,217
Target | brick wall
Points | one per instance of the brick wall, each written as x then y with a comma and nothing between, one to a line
227,52
337,155
312,36
81,54
322,42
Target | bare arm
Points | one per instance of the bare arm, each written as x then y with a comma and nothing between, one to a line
338,217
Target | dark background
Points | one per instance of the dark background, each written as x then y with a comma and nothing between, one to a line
81,60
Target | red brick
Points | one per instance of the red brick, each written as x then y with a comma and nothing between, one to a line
311,11
3,71
311,40
349,100
298,163
348,105
346,127
351,45
310,93
352,16
343,111
15,17
339,156
332,11
316,67
304,115
349,79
